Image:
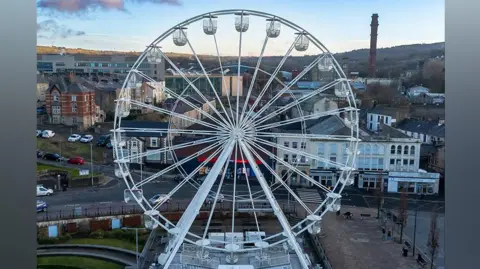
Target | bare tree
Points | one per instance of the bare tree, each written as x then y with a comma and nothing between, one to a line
433,242
402,213
379,196
433,74
381,93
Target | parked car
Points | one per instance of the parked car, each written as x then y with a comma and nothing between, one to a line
41,206
109,145
40,153
74,138
52,157
39,133
48,134
157,198
103,140
42,191
86,139
76,160
41,110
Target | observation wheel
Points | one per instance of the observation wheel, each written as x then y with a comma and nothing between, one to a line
237,137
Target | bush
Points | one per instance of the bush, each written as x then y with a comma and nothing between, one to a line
45,240
84,227
97,234
64,238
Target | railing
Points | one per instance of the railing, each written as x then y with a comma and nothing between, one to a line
126,209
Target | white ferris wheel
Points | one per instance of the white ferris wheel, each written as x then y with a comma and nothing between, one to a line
246,126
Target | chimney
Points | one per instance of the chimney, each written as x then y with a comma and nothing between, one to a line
373,46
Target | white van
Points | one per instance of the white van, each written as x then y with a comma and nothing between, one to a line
42,191
48,134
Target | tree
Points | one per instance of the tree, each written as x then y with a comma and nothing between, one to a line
433,242
379,196
381,93
402,213
433,74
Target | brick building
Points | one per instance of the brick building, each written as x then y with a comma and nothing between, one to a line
70,103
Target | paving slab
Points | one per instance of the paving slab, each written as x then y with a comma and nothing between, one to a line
358,243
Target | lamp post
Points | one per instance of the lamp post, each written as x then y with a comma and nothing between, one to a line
415,224
91,161
136,242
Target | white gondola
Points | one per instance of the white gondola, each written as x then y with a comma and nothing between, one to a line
334,201
241,22
273,28
180,37
131,196
341,89
149,223
210,25
326,64
302,42
154,55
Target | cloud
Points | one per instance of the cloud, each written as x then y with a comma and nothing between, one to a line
50,29
82,7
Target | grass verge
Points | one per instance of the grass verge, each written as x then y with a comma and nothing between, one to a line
72,149
111,242
60,262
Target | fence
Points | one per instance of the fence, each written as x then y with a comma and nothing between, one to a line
320,251
125,209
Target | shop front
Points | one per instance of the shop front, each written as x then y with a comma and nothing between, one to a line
413,182
372,180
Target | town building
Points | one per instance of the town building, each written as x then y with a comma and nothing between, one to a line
384,115
429,132
118,65
70,103
229,87
42,87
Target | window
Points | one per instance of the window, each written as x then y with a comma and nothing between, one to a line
154,142
56,97
302,159
412,162
380,163
392,150
285,157
74,98
392,161
86,98
286,144
371,117
405,162
412,150
56,110
303,145
334,160
321,149
381,149
399,161
333,149
294,158
74,107
386,120
294,145
74,120
56,119
134,143
405,150
375,149
368,149
399,150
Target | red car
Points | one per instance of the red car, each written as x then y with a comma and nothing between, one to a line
76,160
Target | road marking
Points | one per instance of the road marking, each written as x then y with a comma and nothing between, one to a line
365,199
109,202
72,205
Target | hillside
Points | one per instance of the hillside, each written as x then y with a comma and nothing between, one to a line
390,61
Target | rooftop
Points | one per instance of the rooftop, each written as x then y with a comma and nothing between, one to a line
144,125
67,84
432,128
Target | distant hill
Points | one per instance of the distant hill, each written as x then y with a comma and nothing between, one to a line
390,61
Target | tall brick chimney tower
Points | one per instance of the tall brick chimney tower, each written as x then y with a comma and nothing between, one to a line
372,66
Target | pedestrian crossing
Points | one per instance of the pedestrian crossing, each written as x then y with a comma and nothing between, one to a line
310,196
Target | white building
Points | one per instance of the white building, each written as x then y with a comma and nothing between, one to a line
380,154
416,91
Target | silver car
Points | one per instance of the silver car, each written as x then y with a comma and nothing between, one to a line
158,198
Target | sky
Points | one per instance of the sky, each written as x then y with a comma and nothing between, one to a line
131,25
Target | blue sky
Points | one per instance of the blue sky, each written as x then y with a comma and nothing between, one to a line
341,25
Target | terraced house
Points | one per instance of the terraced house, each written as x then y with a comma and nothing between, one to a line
70,103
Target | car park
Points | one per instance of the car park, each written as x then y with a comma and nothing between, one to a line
86,139
42,191
76,160
74,138
41,206
158,198
52,157
39,133
48,134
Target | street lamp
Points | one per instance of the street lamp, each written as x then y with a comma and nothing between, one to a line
136,242
91,161
415,224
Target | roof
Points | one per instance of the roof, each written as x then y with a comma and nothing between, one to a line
385,132
358,85
329,125
183,107
419,88
42,79
431,128
384,110
144,125
68,85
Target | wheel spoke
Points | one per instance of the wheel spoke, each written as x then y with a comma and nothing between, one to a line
299,101
184,100
278,179
194,87
285,89
127,130
291,167
183,161
312,116
208,79
306,136
237,122
249,191
175,114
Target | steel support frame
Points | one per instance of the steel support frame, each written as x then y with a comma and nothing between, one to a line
196,204
287,230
